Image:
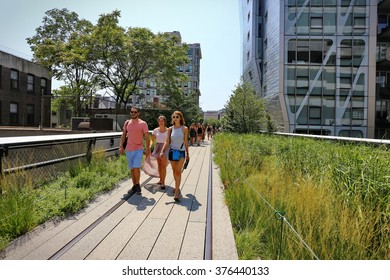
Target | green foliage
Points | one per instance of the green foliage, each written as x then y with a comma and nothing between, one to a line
59,45
16,216
186,104
245,112
89,57
22,208
213,122
121,58
335,195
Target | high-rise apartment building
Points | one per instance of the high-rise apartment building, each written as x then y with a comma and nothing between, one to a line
320,64
148,93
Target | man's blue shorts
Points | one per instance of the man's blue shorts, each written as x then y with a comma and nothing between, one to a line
134,158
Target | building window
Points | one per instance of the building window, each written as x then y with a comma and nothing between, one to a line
316,22
316,3
249,16
358,113
30,83
43,86
359,22
14,79
382,22
248,55
345,83
302,82
302,54
345,56
351,133
248,36
315,115
30,114
13,113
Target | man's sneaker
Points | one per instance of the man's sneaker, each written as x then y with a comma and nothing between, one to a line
137,189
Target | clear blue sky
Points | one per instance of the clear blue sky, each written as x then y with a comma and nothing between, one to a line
214,24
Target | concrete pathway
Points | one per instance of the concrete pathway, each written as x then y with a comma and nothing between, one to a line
150,226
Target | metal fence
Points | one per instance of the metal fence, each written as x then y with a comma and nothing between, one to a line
40,157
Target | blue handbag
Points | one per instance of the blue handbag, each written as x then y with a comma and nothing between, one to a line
174,154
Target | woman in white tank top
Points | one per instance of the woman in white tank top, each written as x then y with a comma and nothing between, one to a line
159,135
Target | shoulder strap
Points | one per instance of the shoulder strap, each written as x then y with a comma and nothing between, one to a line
170,132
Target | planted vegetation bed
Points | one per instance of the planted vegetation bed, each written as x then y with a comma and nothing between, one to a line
334,195
24,203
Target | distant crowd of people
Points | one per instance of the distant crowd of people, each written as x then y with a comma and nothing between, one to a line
199,131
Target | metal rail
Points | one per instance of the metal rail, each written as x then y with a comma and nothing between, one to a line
88,229
208,250
367,141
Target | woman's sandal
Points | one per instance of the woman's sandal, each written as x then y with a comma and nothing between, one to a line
178,196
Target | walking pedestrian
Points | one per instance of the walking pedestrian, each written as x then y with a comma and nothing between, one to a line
159,135
193,134
200,133
177,144
136,131
209,128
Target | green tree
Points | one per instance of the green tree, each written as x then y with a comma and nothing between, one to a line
59,45
185,103
245,112
122,58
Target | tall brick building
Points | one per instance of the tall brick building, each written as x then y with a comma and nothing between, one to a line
25,89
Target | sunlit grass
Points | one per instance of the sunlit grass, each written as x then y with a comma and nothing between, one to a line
336,197
24,204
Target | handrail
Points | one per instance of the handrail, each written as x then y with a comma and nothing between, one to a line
54,139
12,143
338,138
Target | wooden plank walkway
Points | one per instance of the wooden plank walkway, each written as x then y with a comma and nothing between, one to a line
150,226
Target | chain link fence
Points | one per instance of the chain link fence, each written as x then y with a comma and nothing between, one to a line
38,158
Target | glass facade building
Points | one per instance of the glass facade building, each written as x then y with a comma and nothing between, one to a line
318,64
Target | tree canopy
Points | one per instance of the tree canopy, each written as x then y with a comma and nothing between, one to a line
245,112
58,45
106,56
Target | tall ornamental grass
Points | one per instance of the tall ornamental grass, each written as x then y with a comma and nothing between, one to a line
24,204
334,196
